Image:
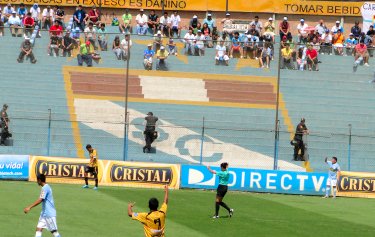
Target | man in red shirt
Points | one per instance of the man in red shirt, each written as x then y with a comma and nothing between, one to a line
56,29
284,28
94,16
29,24
361,51
312,58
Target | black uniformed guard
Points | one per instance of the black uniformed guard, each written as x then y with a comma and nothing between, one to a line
298,138
150,133
4,125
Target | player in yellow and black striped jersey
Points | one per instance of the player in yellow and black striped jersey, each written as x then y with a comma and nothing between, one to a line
153,221
92,167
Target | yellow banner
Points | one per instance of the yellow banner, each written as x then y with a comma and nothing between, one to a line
111,173
356,184
305,7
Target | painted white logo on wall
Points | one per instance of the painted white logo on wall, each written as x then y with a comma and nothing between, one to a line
368,13
197,177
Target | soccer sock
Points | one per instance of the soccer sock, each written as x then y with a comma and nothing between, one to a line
56,234
87,181
217,206
96,182
225,206
334,191
38,234
327,191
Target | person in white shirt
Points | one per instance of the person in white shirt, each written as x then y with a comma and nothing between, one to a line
221,54
189,42
199,43
257,23
227,25
302,33
141,20
90,34
326,42
175,24
7,12
165,24
15,25
47,17
321,27
337,27
126,45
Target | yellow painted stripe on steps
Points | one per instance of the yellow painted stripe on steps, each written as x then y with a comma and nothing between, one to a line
242,62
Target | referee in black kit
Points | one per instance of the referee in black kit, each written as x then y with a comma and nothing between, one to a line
150,133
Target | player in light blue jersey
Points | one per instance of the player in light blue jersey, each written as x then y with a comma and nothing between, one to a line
47,219
221,189
333,176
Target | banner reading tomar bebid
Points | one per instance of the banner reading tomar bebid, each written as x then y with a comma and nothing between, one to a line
111,173
356,184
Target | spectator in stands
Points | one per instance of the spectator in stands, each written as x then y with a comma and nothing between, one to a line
336,28
320,28
125,26
29,25
175,24
26,50
67,44
59,16
94,16
158,41
15,25
269,29
35,14
153,22
312,58
148,55
299,147
150,133
265,55
85,55
215,35
193,24
47,17
161,59
102,37
7,12
227,23
126,45
236,45
76,35
250,46
5,134
302,32
90,34
326,42
221,54
141,20
172,47
257,23
199,44
116,47
253,31
371,31
301,58
79,18
206,31
56,29
209,21
287,57
22,11
165,24
53,46
189,40
283,42
366,39
1,24
338,42
356,30
361,53
284,28
350,44
316,44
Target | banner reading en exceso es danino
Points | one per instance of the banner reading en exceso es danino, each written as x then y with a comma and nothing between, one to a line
270,181
14,167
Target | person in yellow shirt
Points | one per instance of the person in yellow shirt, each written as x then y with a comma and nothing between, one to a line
153,221
287,57
161,57
92,167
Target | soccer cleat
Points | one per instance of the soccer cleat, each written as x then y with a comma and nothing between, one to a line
325,196
85,186
215,217
231,212
95,188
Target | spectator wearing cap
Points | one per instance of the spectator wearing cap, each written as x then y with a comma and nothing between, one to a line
302,32
257,23
15,25
141,20
266,55
227,23
158,41
284,28
209,21
312,58
126,45
56,29
350,44
199,43
67,44
148,55
172,47
85,55
221,54
29,24
22,11
338,43
116,48
326,42
90,34
175,24
287,58
79,18
269,29
161,58
236,45
125,26
35,14
337,27
94,16
165,24
102,37
361,52
320,28
59,15
26,50
193,24
251,46
356,30
47,17
7,12
153,22
189,42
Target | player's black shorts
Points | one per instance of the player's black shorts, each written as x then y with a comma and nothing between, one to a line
222,190
92,170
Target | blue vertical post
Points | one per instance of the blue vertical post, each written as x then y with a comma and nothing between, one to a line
349,146
127,137
202,142
49,132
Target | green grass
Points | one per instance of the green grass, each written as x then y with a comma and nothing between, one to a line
87,213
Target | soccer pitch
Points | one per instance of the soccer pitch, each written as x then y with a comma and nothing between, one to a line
102,213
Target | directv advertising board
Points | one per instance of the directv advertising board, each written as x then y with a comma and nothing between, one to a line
14,167
270,181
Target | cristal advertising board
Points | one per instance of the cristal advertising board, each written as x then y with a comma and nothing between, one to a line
14,167
270,181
